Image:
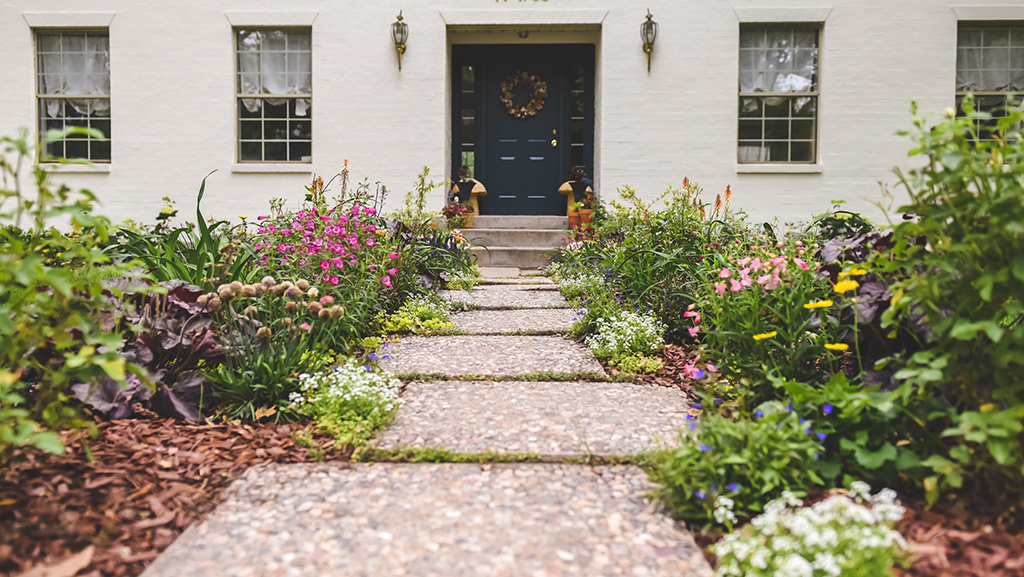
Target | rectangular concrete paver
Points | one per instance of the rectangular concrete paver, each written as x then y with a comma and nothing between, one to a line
435,520
549,419
489,356
512,321
514,296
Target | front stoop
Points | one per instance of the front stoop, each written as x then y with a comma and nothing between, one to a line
516,241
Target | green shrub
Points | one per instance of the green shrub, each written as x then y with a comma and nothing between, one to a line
962,254
52,333
748,460
639,364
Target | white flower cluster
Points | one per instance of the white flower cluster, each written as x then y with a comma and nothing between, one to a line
426,307
626,333
349,387
579,284
837,536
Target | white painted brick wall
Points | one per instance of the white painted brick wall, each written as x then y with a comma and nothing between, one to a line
173,110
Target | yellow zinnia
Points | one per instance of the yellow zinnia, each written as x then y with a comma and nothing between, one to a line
845,285
764,336
853,272
837,346
818,305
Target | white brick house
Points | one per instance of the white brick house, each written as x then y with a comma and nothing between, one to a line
792,107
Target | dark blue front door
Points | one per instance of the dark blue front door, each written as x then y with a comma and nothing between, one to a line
528,107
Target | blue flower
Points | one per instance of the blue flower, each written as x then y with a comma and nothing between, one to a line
367,367
373,356
802,421
693,426
821,436
699,374
733,487
702,494
698,406
827,408
387,356
705,448
691,418
758,414
809,431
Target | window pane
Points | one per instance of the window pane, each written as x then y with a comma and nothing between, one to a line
300,130
750,129
275,151
802,129
299,152
99,150
275,130
801,152
250,130
251,151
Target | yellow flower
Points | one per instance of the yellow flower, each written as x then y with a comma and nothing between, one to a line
380,232
243,217
764,336
845,285
837,346
818,305
853,272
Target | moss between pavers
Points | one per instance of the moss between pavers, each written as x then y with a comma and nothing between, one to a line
542,376
442,455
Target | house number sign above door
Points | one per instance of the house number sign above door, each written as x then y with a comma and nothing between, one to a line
539,93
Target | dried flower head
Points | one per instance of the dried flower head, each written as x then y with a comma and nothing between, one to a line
263,333
249,290
324,314
225,293
236,287
286,322
250,311
203,299
213,304
291,307
314,307
313,292
303,284
336,312
293,292
268,281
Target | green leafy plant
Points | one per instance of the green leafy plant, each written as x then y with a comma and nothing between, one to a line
414,213
962,257
51,332
639,364
846,534
419,315
749,460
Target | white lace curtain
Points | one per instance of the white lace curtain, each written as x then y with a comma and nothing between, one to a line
778,60
76,65
990,60
275,62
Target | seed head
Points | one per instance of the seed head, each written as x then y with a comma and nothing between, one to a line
302,283
315,307
268,281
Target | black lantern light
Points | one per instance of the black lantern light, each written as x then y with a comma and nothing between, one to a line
399,33
649,33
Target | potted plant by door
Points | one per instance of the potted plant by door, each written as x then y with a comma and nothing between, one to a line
580,197
457,214
574,215
469,189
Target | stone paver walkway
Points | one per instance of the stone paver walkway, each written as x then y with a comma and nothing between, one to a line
469,519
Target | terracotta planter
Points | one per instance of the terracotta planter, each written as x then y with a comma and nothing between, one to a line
469,221
586,215
574,219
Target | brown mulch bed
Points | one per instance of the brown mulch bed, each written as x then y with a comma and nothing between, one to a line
674,358
148,481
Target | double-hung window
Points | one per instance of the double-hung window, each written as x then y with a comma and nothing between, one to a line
990,64
73,89
778,94
274,94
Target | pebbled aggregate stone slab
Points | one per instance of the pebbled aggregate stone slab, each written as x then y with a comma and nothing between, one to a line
509,321
549,419
489,356
533,280
508,297
435,520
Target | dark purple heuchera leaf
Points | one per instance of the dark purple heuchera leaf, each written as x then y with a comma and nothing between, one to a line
167,404
871,298
107,397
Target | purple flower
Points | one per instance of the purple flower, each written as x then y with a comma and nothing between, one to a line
698,374
758,414
373,356
827,408
733,487
821,436
702,494
809,431
693,426
698,406
691,418
705,448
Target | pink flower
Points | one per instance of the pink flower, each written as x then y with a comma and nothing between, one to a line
262,217
693,331
712,368
724,273
386,281
326,300
305,326
393,256
801,264
333,281
324,265
392,270
735,285
369,242
720,288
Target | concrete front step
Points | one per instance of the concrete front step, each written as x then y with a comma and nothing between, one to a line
524,237
517,221
517,256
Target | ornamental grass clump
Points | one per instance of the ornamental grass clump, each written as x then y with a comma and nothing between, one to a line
349,402
848,535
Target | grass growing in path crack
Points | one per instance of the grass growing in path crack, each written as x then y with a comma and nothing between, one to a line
542,376
442,455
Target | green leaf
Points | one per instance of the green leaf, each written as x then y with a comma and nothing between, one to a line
1000,449
1018,269
960,453
48,441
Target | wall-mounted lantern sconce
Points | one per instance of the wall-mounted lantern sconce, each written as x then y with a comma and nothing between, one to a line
399,33
649,33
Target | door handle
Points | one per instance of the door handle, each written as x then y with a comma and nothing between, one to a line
554,143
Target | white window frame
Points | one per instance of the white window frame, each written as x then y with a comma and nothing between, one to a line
983,98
